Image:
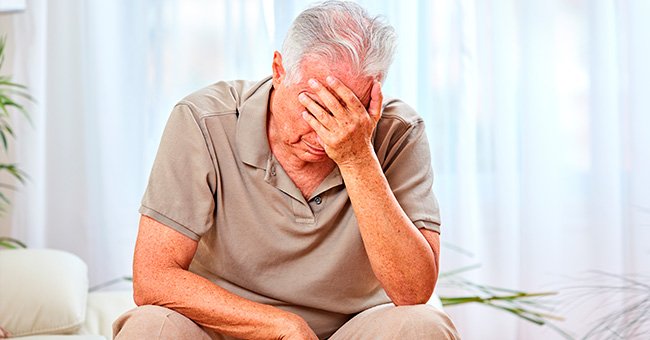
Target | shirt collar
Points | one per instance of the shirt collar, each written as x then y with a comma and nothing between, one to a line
251,141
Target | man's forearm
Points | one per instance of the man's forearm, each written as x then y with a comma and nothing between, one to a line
211,306
399,254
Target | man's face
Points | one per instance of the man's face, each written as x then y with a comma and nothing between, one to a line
292,132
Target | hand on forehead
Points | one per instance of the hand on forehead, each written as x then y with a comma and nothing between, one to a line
313,68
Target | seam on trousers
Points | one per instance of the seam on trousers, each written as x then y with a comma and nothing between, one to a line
162,326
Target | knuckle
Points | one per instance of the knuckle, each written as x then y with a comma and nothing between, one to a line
329,102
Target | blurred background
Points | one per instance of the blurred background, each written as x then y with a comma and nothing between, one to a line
537,112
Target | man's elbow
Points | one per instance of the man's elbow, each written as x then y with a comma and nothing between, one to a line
144,290
412,300
139,294
418,296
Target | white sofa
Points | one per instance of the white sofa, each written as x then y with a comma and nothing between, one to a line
44,295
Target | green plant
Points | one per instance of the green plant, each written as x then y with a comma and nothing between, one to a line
526,305
532,307
9,91
11,243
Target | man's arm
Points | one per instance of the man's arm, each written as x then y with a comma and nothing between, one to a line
160,277
404,259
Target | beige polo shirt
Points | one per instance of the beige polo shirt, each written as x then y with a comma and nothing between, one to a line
215,180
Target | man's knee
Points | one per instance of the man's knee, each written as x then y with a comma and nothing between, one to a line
155,322
425,320
419,322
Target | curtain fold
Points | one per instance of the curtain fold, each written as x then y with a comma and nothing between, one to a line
537,115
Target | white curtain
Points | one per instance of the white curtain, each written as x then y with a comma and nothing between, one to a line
537,113
84,152
540,131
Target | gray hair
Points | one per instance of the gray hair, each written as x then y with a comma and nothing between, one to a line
340,30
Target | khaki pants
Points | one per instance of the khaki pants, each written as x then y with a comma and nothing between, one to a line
382,322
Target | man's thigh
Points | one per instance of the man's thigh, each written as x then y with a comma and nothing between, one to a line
387,321
156,322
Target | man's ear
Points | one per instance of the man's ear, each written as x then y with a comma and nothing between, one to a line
279,74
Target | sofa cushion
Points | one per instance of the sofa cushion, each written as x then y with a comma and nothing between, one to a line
103,309
42,291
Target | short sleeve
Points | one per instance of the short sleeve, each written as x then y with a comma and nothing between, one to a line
408,170
181,188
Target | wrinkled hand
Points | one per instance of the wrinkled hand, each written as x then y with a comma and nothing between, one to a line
4,333
346,130
296,328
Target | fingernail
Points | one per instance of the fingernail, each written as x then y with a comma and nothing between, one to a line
330,80
304,115
302,96
313,83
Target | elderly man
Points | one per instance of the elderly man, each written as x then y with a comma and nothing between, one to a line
297,207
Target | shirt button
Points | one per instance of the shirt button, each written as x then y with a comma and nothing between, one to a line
318,200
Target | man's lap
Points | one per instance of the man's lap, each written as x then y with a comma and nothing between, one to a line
381,322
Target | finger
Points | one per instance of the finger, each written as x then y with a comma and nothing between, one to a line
316,110
376,99
315,124
331,102
348,97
